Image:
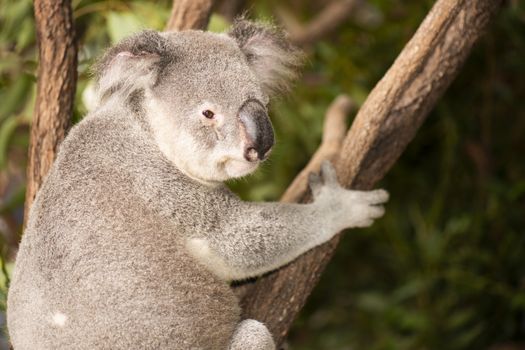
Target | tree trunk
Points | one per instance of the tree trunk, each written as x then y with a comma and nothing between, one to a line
190,14
56,85
385,124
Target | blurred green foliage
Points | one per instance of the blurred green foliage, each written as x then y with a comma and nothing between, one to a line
445,268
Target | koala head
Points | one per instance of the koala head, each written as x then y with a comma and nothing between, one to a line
205,94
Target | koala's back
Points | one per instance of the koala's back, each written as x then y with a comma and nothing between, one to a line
100,267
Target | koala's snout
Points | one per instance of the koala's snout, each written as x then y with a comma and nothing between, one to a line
256,131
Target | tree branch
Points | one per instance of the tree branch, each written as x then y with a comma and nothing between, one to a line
57,76
326,22
190,14
385,124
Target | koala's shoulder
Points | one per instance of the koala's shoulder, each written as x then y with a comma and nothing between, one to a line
99,139
101,127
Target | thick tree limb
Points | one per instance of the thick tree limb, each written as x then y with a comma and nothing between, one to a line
190,14
334,131
384,126
57,76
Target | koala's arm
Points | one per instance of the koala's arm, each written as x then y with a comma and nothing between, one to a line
255,238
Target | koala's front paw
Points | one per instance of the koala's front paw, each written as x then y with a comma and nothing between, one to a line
346,208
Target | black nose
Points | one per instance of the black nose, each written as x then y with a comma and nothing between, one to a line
257,131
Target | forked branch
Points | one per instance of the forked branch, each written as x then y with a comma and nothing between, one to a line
385,124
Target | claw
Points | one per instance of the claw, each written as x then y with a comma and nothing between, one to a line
328,173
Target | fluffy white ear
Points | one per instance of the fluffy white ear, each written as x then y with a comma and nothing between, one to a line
132,64
272,57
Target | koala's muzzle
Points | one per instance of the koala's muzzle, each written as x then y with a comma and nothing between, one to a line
256,131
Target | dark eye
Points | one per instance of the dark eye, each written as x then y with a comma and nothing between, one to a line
208,114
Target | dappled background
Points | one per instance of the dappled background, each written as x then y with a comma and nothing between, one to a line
445,267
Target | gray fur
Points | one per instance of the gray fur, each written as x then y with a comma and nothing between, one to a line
133,239
270,54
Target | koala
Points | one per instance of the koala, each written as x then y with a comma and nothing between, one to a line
133,240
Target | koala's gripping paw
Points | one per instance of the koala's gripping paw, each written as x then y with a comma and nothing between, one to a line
345,208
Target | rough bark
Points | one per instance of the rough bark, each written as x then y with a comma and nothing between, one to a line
57,76
190,14
383,127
